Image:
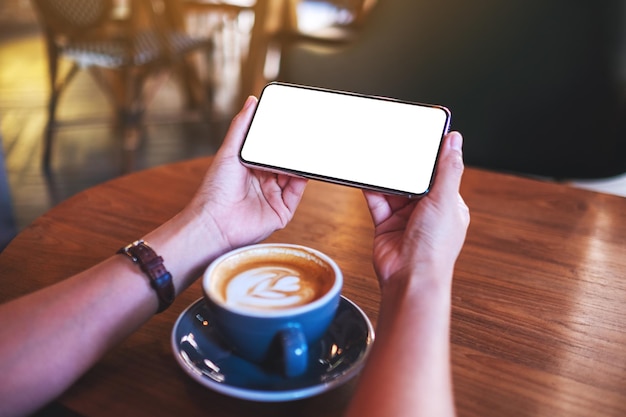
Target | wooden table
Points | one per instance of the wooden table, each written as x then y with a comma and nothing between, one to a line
539,297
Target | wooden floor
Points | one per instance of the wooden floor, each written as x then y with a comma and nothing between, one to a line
88,151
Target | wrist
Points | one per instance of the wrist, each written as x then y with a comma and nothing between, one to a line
422,289
419,278
188,243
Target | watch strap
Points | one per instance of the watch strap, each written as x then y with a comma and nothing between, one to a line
152,265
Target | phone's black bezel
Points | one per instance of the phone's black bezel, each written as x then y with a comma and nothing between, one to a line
349,183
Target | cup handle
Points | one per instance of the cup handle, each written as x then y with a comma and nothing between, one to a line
295,351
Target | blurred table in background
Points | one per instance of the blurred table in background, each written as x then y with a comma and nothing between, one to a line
255,31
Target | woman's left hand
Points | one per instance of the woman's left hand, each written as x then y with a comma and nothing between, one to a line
245,205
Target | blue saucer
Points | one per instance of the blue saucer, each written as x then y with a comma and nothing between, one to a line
334,360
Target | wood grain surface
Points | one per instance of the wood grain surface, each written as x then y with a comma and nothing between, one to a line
538,316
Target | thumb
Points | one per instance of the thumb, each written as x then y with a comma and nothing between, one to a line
239,126
450,167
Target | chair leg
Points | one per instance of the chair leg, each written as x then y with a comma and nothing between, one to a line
48,133
198,93
53,68
49,129
45,162
56,89
131,132
131,141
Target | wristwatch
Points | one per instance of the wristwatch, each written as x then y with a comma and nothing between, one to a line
152,265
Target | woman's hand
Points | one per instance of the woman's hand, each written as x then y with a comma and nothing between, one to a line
416,244
412,232
245,205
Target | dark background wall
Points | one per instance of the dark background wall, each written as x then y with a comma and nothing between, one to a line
536,87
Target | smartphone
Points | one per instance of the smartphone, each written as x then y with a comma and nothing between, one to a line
369,142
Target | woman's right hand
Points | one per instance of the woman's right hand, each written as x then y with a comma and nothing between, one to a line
411,233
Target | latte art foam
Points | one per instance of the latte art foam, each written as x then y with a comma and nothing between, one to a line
269,287
270,278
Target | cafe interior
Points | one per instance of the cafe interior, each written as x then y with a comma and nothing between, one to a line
537,89
92,90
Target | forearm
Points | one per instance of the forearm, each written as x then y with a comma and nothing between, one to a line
62,330
408,371
65,329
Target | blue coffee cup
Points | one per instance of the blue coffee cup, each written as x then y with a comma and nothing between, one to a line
270,302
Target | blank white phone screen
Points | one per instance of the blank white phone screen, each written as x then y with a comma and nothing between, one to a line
339,136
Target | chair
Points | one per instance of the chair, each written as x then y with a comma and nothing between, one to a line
276,26
128,56
223,17
321,25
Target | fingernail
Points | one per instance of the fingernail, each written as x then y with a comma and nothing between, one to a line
456,141
249,101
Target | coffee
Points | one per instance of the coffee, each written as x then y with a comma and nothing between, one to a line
269,302
265,280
